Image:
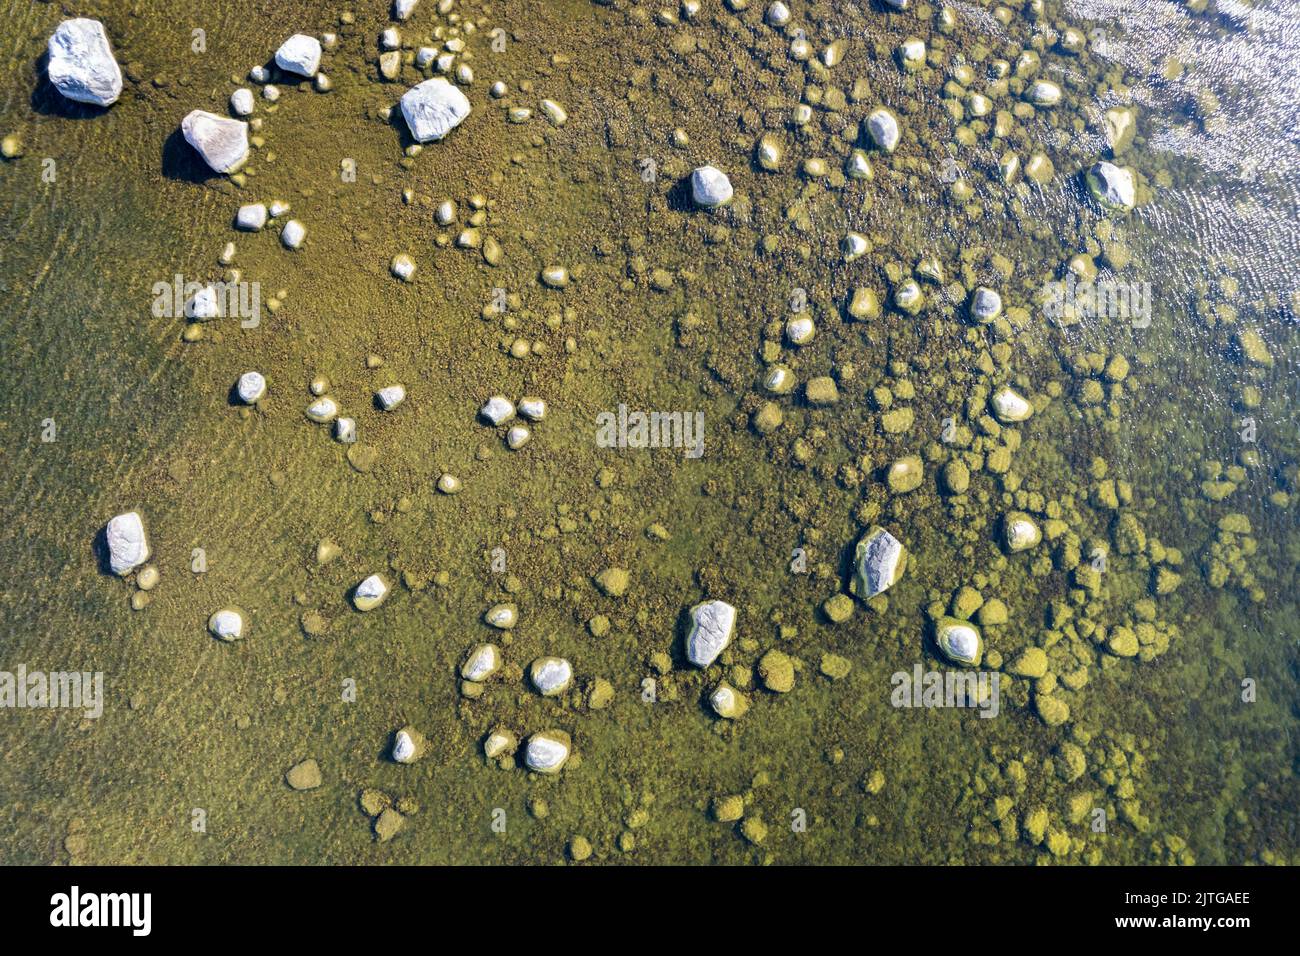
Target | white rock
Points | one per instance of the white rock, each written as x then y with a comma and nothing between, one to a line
242,102
221,141
251,217
445,214
81,64
533,409
270,93
712,623
390,39
800,329
402,9
227,624
1112,186
370,593
550,675
985,304
127,547
402,266
278,208
203,305
726,703
1043,93
251,387
1009,406
499,743
424,56
259,74
959,640
481,662
501,616
323,410
404,748
1020,532
710,187
882,127
911,53
299,54
547,751
878,563
390,397
433,109
345,430
854,245
778,14
497,410
858,166
293,234
517,437
554,112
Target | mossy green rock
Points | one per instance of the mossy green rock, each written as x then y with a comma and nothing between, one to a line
1031,662
776,670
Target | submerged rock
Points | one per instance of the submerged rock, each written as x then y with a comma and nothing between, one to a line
985,304
390,397
1112,186
323,410
409,745
251,387
882,128
127,547
370,593
227,624
433,109
547,752
81,64
727,702
242,102
878,563
251,217
497,410
221,141
1009,406
959,640
293,234
1020,532
304,775
551,676
482,661
710,187
712,623
299,54
501,616
499,743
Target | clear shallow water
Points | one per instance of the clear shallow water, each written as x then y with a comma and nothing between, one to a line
144,422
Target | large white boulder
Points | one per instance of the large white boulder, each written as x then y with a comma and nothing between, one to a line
81,64
551,675
127,547
711,625
710,187
1112,186
878,563
221,141
299,54
547,752
433,109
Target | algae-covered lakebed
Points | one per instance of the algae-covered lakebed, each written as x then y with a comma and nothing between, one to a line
639,433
